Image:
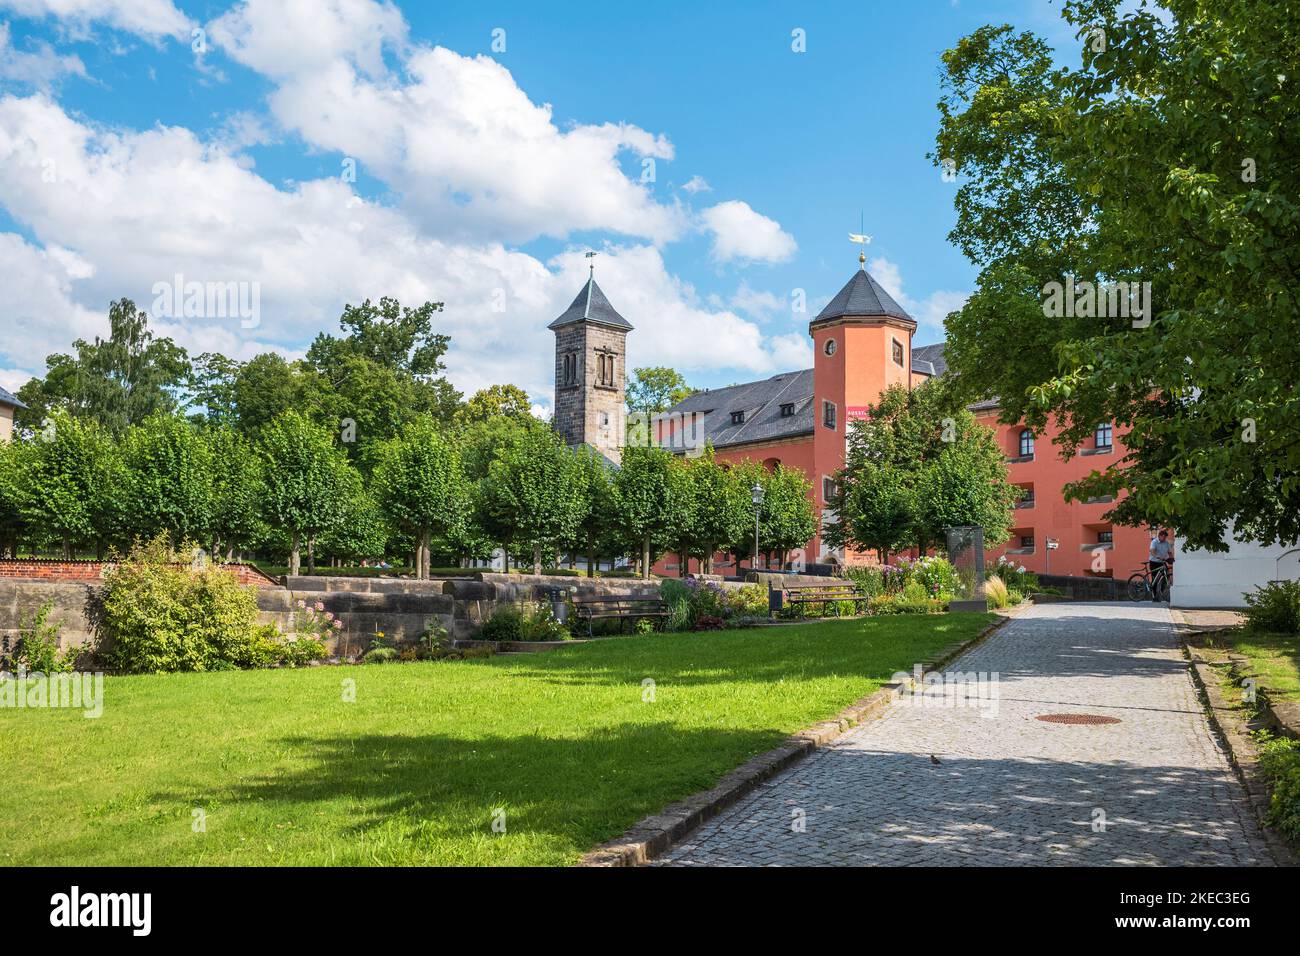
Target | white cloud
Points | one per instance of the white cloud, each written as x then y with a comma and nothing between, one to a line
928,312
740,233
41,68
696,184
454,136
759,304
151,19
310,248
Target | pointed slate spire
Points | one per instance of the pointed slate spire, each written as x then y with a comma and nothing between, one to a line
862,296
592,306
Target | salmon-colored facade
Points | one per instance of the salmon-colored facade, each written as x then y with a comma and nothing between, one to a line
862,344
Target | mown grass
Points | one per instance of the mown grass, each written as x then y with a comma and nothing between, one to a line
286,772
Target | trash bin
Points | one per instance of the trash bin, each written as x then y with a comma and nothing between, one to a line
558,600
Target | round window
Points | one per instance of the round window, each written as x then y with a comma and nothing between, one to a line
829,347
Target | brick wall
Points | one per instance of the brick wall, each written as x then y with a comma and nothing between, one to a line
42,570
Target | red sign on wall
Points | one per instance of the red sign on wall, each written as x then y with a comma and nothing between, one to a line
856,411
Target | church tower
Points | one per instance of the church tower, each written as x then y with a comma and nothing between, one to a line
591,372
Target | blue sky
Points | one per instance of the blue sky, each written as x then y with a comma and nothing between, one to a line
128,158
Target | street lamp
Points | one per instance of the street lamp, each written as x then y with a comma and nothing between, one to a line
757,493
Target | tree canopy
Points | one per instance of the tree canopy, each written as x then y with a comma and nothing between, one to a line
1164,158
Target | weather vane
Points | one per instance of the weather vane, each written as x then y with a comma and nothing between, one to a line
861,239
591,265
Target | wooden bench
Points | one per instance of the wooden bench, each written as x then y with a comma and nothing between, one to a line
803,594
599,607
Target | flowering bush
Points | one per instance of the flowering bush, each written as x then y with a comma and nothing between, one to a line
936,575
1015,576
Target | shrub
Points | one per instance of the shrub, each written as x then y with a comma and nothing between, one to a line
709,622
748,600
936,575
1279,760
540,624
505,624
379,655
1015,576
1274,607
869,578
37,649
156,616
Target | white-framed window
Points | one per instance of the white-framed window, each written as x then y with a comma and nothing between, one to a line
1102,437
1026,443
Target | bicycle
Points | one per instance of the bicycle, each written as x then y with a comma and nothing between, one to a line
1143,587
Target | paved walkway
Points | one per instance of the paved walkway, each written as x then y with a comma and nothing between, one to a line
1010,790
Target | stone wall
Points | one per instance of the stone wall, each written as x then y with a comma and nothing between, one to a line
402,609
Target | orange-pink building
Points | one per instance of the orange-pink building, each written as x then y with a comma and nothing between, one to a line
862,343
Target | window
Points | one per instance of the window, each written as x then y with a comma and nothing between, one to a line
737,418
1105,537
1103,436
1027,498
898,352
828,414
828,488
829,347
1027,541
787,409
1026,443
569,375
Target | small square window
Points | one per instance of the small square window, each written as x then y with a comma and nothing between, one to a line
787,409
1105,537
737,418
1027,541
828,414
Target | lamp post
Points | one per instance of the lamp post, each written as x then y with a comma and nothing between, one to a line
757,492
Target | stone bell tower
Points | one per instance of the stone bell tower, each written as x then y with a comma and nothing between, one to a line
591,372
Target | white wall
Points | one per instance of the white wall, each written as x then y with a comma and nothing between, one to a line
1210,579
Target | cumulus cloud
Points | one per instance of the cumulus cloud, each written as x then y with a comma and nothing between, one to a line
740,233
454,136
40,68
101,233
151,19
696,184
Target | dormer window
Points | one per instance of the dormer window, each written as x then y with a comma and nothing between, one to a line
787,409
737,418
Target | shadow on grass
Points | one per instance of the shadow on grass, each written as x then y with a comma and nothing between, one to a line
584,789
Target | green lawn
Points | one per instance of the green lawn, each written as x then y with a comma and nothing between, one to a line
1273,659
411,772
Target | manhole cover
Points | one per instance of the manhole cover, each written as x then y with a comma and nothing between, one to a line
1077,719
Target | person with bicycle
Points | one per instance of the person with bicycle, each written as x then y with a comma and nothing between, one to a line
1160,562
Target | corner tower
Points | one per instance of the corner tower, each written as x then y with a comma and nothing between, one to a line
591,372
862,344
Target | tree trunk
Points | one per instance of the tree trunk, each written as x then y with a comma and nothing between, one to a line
645,558
591,559
295,561
537,559
422,569
311,554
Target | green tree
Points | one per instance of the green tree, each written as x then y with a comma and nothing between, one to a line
533,494
168,480
264,388
12,527
421,487
237,489
1164,156
596,523
68,483
492,401
305,478
790,520
916,465
724,511
876,510
119,381
642,491
655,389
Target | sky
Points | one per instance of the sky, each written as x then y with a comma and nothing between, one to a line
288,157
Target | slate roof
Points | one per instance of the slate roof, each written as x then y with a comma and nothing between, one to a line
591,306
8,398
862,295
761,402
929,360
